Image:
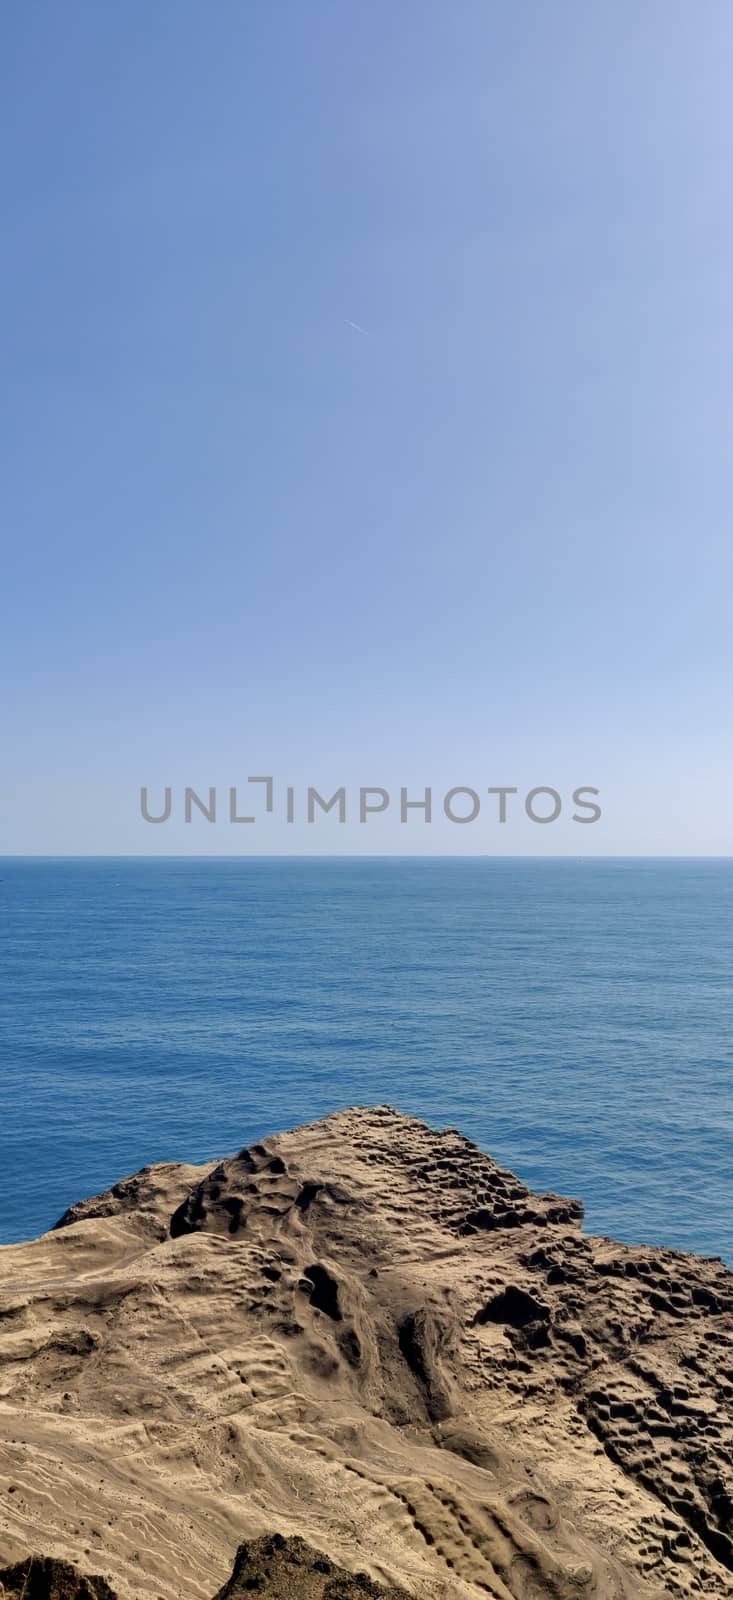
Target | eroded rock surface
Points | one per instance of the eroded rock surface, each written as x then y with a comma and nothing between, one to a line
367,1335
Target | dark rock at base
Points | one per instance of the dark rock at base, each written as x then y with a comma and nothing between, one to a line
275,1568
43,1578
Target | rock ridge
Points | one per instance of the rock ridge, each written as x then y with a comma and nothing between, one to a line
369,1344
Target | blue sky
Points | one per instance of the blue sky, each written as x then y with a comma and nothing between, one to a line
486,541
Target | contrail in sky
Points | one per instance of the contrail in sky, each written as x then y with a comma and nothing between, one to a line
357,328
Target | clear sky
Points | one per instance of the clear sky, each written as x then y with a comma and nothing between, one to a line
484,541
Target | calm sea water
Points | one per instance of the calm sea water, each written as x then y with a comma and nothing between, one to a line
576,1018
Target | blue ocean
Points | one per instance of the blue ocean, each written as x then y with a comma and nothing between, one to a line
574,1017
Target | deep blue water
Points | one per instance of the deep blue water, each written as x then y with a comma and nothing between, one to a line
576,1018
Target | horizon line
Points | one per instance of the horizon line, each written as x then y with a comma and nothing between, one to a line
365,856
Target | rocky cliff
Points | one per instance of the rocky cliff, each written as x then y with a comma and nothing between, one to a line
360,1359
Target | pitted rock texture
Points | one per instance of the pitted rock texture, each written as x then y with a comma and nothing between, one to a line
367,1335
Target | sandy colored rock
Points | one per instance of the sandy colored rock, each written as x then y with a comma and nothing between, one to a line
366,1335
